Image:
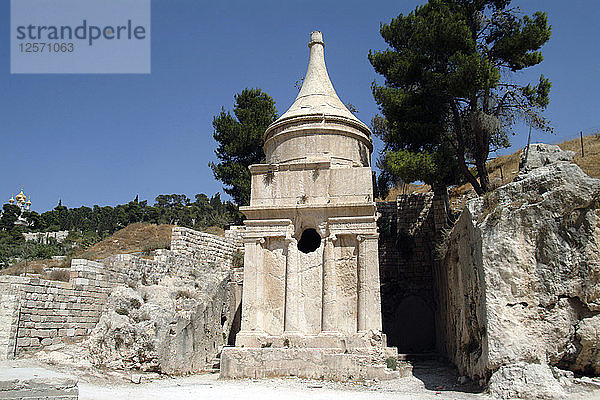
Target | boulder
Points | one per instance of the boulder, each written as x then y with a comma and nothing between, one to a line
525,381
176,327
541,154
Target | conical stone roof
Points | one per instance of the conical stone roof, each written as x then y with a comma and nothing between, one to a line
317,95
318,125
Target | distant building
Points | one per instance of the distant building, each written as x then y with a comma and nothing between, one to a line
23,203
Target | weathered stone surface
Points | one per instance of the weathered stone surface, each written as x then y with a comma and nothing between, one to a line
170,328
37,383
36,312
309,363
520,280
587,333
525,381
541,154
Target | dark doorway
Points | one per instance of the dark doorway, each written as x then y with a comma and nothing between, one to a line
406,248
412,328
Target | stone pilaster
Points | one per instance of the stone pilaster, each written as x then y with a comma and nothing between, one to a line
253,296
293,288
369,301
329,315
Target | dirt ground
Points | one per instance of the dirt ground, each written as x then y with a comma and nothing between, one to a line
431,379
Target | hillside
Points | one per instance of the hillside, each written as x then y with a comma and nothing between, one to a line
135,238
503,169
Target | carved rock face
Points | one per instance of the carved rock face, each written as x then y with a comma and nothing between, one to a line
528,257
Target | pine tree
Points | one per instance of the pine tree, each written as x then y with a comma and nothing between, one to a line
240,138
448,98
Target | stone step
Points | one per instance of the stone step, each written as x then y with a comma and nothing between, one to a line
216,361
418,356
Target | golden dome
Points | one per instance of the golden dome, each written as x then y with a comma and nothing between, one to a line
29,201
11,200
21,198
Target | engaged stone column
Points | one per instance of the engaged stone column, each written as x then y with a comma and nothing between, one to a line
328,322
253,290
292,288
369,298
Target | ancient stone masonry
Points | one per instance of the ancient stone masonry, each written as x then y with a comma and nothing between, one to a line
311,273
36,312
409,229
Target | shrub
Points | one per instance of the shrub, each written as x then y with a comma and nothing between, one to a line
391,363
63,275
237,259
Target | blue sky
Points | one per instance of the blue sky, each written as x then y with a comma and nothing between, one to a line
103,139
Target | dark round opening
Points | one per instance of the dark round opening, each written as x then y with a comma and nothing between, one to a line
309,241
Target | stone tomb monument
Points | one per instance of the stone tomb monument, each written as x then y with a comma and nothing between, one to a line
311,303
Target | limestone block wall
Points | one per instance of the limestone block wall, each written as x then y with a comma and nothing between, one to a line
49,311
235,235
9,311
408,229
37,312
203,246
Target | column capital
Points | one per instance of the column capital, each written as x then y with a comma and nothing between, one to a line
255,240
366,236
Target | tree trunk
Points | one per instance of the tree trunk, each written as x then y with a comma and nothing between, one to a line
460,152
484,178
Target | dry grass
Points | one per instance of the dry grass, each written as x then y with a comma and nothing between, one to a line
215,230
503,169
590,163
135,238
63,275
35,267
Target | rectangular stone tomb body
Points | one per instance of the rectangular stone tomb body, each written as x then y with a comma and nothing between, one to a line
311,302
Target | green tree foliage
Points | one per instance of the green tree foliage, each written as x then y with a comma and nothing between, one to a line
90,225
10,215
240,138
450,97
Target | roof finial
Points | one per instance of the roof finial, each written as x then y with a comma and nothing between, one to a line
316,37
